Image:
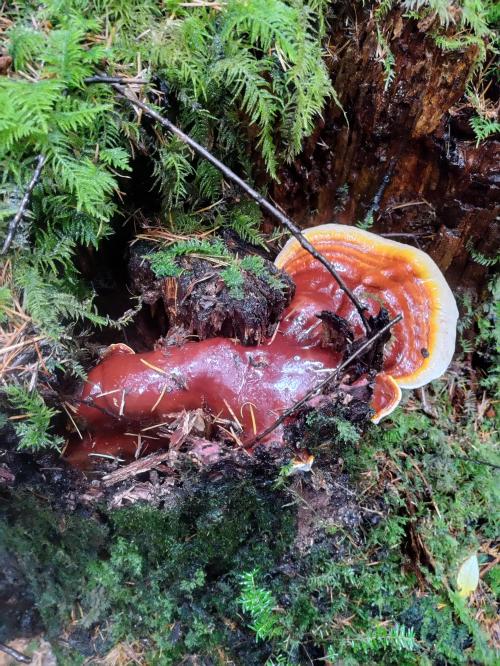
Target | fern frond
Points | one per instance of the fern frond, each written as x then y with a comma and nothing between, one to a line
116,157
53,251
50,303
25,44
367,223
246,222
33,102
484,127
184,223
398,638
265,23
387,58
34,428
208,181
183,46
245,75
73,115
475,17
305,84
172,170
481,259
233,277
259,603
473,13
441,7
90,183
384,7
66,58
462,42
5,302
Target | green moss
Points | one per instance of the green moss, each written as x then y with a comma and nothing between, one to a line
184,579
169,575
327,432
52,551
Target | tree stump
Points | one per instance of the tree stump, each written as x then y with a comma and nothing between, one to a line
402,151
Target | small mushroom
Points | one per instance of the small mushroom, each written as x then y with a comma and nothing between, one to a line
386,396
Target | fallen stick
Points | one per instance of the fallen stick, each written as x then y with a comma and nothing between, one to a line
231,175
24,204
116,79
476,461
134,468
15,654
18,345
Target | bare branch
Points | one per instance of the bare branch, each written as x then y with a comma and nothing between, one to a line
116,79
24,204
476,461
262,201
15,654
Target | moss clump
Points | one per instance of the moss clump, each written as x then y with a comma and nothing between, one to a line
218,575
168,576
330,427
52,552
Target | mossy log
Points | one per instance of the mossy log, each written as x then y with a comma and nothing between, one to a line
199,303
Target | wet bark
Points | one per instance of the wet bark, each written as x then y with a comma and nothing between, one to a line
406,154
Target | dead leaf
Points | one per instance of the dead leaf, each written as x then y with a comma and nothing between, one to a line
468,576
5,63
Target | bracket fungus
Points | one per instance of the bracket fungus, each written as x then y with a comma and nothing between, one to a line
381,272
252,386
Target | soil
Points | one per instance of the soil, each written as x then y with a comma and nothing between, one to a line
19,616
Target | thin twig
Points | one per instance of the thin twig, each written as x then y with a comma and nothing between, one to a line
477,462
262,201
90,403
326,381
375,207
116,79
426,408
408,203
15,654
24,203
18,345
202,3
134,468
416,234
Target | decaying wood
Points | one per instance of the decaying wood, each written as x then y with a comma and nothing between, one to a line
134,468
442,185
6,475
199,304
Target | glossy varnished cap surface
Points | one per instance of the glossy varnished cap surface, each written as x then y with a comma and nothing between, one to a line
383,272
